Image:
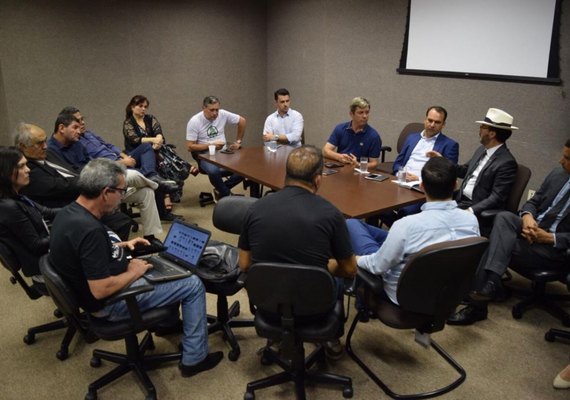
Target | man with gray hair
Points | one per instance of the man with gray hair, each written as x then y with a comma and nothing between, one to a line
354,139
93,261
53,185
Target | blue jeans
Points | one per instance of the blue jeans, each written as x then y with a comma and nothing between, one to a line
365,239
215,174
191,293
145,157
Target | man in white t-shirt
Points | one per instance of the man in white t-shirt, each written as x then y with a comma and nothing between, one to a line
207,127
284,125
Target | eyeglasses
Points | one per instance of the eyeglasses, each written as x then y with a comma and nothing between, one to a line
117,189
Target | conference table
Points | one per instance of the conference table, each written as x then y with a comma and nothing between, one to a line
348,190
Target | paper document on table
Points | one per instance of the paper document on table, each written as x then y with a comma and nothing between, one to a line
408,184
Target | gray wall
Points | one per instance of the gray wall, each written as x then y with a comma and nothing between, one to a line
328,51
97,55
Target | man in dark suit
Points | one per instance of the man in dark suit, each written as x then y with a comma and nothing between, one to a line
540,232
489,176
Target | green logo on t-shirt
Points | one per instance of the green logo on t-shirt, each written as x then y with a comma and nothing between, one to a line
212,131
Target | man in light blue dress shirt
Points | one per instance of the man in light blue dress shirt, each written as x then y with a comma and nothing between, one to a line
285,125
439,221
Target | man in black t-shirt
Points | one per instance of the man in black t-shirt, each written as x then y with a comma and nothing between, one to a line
92,260
296,226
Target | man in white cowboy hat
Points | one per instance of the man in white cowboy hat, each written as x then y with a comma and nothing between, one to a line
490,174
539,233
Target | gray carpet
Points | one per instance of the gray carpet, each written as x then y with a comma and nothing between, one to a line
504,358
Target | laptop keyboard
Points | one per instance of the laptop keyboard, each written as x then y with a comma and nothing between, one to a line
163,266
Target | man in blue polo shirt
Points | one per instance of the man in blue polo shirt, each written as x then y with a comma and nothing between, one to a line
354,139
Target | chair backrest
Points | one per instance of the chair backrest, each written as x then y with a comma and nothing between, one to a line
281,288
230,212
517,191
60,292
412,127
10,262
436,279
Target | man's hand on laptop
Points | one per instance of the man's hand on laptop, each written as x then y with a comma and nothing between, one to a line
131,244
138,267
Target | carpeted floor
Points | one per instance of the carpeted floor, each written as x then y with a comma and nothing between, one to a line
504,358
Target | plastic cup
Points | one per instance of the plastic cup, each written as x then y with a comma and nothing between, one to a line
212,149
363,164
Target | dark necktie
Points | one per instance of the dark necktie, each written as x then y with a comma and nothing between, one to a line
549,218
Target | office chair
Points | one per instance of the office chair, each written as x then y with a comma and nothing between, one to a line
388,166
521,180
135,359
432,283
34,291
538,296
295,304
553,333
228,216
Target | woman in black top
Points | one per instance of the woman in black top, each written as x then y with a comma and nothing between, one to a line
23,225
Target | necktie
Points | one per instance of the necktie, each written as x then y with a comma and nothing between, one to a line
549,217
476,165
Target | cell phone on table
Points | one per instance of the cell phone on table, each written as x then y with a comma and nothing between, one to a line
376,177
329,171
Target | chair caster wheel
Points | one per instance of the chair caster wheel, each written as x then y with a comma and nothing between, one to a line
566,321
91,396
517,314
233,355
549,336
237,310
347,393
57,313
265,360
61,355
249,396
95,362
150,397
30,338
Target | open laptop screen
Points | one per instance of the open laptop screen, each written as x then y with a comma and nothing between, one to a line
185,242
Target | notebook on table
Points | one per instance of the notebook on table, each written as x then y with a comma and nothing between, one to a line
185,244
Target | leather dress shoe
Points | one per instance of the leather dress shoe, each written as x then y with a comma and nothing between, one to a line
163,184
169,217
468,315
490,292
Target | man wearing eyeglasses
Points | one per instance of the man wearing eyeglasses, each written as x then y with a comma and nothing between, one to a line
93,261
489,176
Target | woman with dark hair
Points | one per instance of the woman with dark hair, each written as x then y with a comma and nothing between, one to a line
144,129
140,127
22,222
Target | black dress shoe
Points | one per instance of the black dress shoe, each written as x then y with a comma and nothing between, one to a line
468,315
490,292
164,185
211,360
169,217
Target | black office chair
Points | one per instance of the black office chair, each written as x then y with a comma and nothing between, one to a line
388,166
553,333
521,180
295,304
35,290
228,216
90,327
538,296
432,283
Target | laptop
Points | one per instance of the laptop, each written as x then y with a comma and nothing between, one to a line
185,244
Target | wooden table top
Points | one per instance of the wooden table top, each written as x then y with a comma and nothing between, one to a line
353,195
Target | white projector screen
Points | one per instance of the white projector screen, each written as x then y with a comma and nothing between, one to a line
481,37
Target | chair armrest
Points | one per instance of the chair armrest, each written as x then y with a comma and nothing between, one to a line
128,292
242,277
374,282
490,213
383,151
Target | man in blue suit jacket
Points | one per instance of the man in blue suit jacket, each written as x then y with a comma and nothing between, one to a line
419,148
